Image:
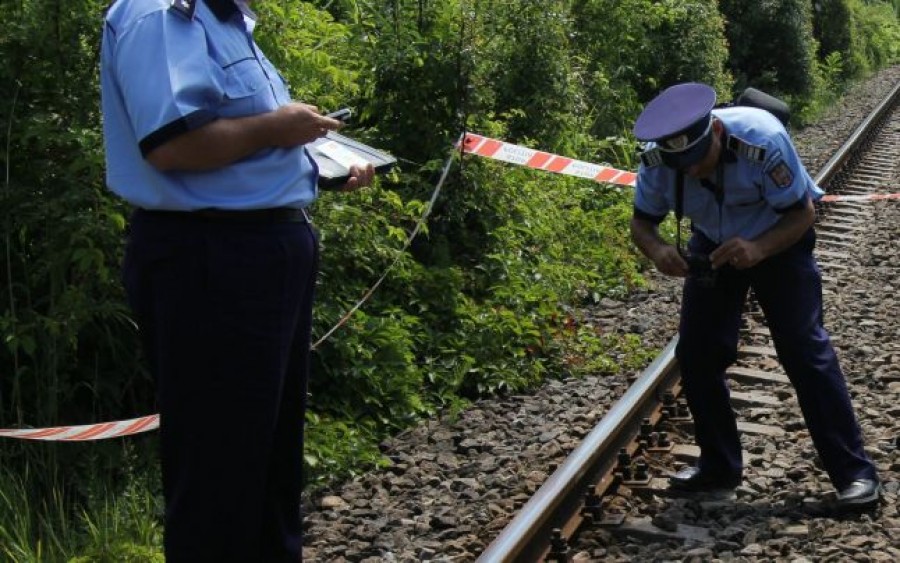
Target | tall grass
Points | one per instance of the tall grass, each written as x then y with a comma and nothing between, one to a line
111,527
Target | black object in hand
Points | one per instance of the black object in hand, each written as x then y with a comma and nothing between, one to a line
700,268
341,115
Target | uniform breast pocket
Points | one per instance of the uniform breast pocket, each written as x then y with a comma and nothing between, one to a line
746,197
246,89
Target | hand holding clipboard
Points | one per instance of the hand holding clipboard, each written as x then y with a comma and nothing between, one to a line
335,154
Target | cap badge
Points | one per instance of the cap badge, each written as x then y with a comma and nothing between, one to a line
678,143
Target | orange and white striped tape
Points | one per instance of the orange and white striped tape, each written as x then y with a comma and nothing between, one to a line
523,156
100,431
539,160
868,197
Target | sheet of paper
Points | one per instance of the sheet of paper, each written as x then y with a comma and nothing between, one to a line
341,155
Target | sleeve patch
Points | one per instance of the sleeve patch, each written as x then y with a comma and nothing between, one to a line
782,174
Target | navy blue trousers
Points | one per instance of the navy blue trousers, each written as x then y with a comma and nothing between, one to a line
788,287
225,309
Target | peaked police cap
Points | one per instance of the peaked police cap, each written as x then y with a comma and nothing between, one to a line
679,121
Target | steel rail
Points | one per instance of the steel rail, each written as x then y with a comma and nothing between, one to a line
526,537
830,170
568,484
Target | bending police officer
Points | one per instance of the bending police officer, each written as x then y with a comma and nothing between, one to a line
735,173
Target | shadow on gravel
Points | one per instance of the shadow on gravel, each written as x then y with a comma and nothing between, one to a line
790,507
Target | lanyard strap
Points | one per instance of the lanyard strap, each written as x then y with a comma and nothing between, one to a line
679,206
718,193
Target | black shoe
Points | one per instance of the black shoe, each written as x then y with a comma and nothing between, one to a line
691,480
861,494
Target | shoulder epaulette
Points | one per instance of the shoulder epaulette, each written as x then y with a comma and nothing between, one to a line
744,149
651,157
184,7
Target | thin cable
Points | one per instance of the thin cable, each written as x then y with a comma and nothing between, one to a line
401,252
462,93
8,256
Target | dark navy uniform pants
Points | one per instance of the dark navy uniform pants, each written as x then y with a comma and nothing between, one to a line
225,309
788,287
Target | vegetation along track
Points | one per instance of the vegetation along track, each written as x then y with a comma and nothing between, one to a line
456,485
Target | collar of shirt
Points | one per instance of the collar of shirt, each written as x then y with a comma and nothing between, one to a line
249,15
225,9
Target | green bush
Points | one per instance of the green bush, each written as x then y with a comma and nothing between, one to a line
335,448
771,46
876,34
565,242
67,339
535,86
864,34
686,43
630,50
833,29
413,59
314,54
610,49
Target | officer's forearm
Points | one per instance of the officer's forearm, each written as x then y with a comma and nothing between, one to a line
646,237
216,144
787,231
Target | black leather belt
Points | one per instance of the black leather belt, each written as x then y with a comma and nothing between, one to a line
272,215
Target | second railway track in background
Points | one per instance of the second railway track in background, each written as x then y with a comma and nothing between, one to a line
612,484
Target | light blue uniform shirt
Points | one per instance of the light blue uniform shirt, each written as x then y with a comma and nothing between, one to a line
164,73
763,177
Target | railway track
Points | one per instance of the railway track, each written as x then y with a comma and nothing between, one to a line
612,486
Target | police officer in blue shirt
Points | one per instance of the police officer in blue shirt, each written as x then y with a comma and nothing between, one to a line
735,173
203,139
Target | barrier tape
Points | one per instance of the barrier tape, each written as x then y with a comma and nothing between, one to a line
86,432
868,197
469,143
515,154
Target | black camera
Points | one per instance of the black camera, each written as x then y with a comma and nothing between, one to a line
700,268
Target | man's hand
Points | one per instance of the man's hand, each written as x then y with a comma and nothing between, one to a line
360,177
738,252
669,261
743,254
297,124
664,256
